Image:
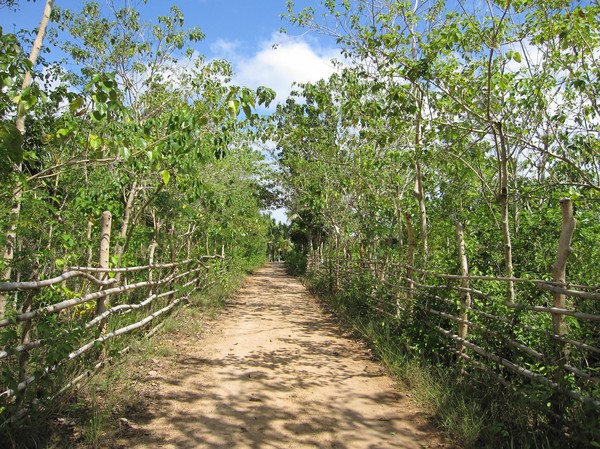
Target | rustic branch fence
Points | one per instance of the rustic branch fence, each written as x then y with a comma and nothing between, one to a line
39,340
548,350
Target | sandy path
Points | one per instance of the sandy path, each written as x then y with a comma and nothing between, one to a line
276,372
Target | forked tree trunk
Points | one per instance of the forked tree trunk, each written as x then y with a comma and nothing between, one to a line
559,268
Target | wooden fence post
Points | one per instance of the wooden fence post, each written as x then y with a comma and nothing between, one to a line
104,255
465,296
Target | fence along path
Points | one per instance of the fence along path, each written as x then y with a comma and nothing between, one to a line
553,345
277,372
40,340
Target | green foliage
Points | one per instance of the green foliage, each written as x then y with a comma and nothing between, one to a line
151,137
296,263
482,115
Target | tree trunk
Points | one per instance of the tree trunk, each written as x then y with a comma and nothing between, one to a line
465,296
88,236
104,256
420,196
157,225
410,260
120,248
33,56
11,235
559,274
26,332
559,268
418,190
504,208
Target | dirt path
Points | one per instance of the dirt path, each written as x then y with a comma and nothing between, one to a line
276,372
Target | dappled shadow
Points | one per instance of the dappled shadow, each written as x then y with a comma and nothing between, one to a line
277,374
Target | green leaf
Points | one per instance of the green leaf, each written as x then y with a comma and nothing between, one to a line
76,104
29,100
95,141
234,107
247,111
11,142
97,115
166,176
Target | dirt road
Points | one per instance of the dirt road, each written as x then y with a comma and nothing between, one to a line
276,372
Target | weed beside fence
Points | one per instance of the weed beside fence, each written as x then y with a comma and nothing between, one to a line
542,347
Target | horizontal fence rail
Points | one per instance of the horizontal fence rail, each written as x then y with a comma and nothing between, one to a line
542,342
391,301
41,340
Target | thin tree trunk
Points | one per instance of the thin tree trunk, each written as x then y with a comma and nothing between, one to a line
420,196
419,191
153,246
559,268
120,248
504,208
33,56
88,235
104,257
410,260
26,332
11,234
559,274
465,296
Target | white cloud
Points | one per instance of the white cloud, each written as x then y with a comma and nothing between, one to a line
225,49
281,61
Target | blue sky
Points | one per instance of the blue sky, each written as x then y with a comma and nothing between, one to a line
244,32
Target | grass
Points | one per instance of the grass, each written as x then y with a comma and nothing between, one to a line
431,387
472,409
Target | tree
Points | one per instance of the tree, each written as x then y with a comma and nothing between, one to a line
13,144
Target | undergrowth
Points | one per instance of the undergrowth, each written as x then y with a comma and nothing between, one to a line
473,409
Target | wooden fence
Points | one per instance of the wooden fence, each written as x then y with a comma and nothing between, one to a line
87,307
545,344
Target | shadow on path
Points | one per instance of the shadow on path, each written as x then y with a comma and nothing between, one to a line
278,373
